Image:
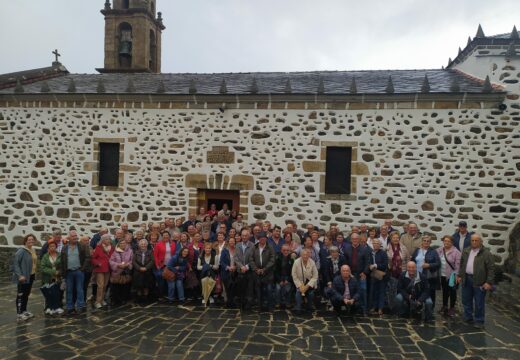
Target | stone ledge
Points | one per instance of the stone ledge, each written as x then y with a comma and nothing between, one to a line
342,197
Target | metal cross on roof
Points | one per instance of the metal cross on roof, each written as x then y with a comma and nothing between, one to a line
57,54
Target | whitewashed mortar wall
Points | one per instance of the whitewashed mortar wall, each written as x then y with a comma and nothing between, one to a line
465,162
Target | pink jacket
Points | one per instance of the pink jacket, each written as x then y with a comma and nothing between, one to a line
118,257
453,256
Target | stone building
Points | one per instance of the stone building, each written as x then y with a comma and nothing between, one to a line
133,144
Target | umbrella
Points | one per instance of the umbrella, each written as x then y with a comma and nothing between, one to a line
207,287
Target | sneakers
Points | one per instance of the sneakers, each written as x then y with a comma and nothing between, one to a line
211,300
104,303
98,306
59,311
22,317
49,312
28,314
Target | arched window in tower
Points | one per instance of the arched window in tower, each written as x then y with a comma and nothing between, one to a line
126,4
125,45
153,52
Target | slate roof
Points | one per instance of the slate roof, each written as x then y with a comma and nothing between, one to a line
33,75
323,82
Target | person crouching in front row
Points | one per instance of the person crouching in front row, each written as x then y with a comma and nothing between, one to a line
305,278
344,292
413,293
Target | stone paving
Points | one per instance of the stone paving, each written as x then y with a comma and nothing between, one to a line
193,332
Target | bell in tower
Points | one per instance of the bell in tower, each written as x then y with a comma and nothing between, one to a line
132,36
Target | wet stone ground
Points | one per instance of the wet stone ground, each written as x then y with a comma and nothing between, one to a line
193,332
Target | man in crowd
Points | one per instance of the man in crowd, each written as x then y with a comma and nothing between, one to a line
462,237
477,276
343,292
243,252
57,239
412,238
261,263
413,293
358,259
73,261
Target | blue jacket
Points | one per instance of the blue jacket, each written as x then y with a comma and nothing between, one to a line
181,263
338,289
467,240
22,265
431,257
225,261
363,259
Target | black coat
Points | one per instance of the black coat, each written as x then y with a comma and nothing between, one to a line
363,259
267,263
338,289
328,269
420,291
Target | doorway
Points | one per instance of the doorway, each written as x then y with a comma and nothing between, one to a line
219,198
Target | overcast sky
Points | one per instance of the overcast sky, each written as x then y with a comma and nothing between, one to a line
259,35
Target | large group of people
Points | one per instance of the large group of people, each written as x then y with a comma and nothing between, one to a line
214,258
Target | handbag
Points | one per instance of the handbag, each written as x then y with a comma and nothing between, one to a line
168,275
191,280
218,285
377,274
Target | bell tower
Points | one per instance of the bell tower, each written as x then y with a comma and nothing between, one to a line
132,36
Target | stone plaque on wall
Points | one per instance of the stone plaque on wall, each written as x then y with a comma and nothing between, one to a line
220,155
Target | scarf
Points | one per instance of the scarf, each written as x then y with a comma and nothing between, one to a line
397,262
106,248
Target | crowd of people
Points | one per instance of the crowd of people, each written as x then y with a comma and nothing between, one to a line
216,259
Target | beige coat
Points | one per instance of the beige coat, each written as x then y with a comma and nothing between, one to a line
310,272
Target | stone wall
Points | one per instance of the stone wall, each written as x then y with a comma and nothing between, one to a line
433,166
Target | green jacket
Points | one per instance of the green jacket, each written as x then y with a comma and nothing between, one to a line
483,267
48,270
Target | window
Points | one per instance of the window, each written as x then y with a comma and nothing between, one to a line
338,170
126,4
109,164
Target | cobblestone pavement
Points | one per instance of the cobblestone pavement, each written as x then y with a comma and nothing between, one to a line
193,332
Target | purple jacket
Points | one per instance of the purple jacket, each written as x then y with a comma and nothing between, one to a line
453,256
119,257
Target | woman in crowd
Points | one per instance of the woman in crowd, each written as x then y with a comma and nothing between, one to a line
371,237
428,263
143,264
101,268
24,270
208,265
228,271
120,277
305,277
153,238
398,256
162,253
219,245
178,265
450,264
51,279
378,268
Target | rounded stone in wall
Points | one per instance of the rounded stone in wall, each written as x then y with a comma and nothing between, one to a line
258,199
427,206
133,216
3,240
18,240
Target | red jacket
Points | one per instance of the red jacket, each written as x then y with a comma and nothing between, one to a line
100,259
159,253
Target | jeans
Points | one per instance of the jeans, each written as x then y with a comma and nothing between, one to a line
377,294
264,294
473,295
298,298
161,283
176,285
283,293
22,295
406,307
75,280
362,293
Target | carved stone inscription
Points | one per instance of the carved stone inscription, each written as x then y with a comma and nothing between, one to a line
220,155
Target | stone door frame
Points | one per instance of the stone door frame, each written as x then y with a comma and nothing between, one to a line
196,182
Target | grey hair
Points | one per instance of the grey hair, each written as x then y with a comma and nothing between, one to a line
334,248
106,236
143,240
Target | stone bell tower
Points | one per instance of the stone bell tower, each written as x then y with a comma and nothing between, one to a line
132,36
